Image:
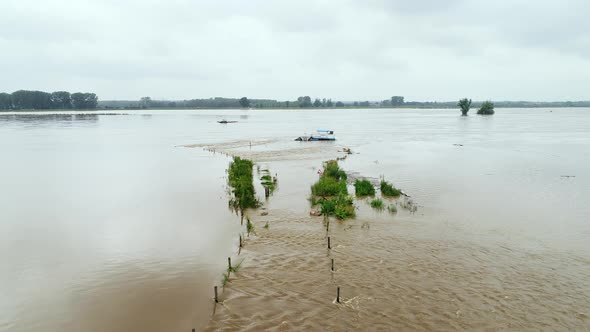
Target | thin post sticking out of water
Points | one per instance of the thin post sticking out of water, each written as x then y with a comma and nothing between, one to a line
216,300
332,264
328,226
338,295
228,264
329,246
240,240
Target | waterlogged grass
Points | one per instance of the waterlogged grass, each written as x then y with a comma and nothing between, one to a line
331,193
241,180
364,188
250,227
388,190
392,209
377,204
235,268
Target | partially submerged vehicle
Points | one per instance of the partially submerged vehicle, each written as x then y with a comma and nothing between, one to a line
320,135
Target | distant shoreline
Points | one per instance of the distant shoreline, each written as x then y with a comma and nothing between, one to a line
95,110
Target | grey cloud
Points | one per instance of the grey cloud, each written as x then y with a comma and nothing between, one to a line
344,49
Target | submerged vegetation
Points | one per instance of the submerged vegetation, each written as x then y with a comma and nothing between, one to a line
487,108
392,209
364,188
377,204
249,227
388,190
268,182
331,193
465,105
240,179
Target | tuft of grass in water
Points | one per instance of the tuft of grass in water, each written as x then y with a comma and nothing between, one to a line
250,227
409,205
388,190
236,268
267,225
364,188
377,204
224,279
391,208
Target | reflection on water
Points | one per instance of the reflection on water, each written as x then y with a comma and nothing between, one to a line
106,223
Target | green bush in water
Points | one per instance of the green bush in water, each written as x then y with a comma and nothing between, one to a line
389,190
328,186
240,179
364,188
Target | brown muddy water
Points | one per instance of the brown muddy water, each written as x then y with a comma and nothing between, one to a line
120,222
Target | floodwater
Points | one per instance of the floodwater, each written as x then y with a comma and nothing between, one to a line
119,222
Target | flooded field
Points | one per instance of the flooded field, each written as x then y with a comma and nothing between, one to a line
120,222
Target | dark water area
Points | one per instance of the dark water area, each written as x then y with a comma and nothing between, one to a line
108,223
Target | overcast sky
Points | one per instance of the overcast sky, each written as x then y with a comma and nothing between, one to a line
343,49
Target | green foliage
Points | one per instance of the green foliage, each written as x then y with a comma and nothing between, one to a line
84,100
267,181
240,179
377,203
331,169
328,186
333,193
61,100
487,108
267,225
397,101
364,188
388,190
465,105
5,101
304,102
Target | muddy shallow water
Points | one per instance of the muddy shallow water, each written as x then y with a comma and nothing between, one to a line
120,222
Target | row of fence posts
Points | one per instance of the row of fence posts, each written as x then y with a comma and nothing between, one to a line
229,268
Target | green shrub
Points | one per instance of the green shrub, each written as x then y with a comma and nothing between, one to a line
240,179
389,190
328,186
331,192
487,108
364,188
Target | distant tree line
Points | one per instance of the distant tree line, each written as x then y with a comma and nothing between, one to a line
25,99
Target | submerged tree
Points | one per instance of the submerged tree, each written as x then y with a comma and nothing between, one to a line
487,108
465,105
